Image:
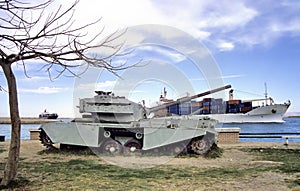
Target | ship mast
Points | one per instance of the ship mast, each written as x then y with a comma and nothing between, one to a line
266,93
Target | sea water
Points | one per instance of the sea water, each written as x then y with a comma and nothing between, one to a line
291,125
5,129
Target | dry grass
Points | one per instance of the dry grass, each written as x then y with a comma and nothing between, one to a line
241,167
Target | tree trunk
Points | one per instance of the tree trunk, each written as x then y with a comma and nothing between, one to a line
10,171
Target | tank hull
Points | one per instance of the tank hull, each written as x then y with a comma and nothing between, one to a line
145,134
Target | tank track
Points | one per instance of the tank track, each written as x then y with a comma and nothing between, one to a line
46,141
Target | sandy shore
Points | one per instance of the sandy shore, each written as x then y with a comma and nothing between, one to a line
27,120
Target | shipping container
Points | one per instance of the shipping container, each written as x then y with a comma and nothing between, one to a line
196,104
245,109
238,101
174,109
217,101
206,104
233,110
195,108
185,104
221,109
184,110
213,106
247,104
213,111
206,107
232,106
204,111
207,99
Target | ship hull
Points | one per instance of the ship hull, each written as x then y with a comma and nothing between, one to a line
265,114
48,116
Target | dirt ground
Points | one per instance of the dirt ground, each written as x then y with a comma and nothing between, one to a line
233,156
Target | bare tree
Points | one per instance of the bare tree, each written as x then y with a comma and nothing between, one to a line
27,33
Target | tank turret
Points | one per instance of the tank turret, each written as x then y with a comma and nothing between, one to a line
105,107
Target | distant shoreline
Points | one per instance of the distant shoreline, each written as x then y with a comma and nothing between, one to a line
34,120
292,116
27,120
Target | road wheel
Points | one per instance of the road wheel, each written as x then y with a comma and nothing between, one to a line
112,147
133,146
179,148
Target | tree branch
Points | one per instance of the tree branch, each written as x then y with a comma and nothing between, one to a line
56,42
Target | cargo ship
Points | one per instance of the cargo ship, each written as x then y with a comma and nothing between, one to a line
232,110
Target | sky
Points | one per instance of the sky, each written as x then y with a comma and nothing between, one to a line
247,43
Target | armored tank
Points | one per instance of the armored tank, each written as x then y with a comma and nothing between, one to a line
113,124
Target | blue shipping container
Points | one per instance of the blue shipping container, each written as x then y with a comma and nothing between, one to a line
205,111
184,110
234,110
195,108
174,109
206,103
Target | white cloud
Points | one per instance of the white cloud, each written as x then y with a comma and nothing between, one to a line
287,26
223,77
43,90
233,16
233,76
173,55
238,23
201,19
225,46
35,79
242,23
105,86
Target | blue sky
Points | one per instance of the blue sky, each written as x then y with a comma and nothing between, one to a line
251,42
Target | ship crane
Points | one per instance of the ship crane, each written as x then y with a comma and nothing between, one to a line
259,99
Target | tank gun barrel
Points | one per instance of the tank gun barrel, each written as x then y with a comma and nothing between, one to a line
186,99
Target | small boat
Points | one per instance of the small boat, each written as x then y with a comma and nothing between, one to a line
47,115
